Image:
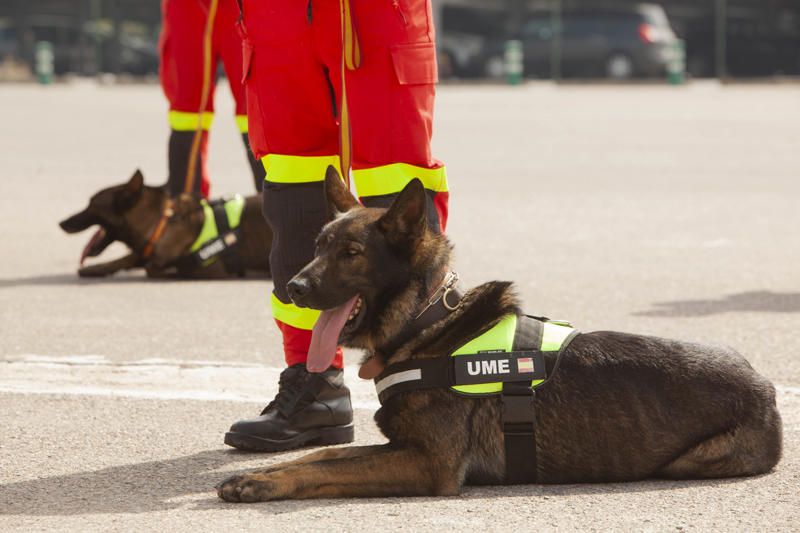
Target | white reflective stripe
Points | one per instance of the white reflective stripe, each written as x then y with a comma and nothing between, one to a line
395,379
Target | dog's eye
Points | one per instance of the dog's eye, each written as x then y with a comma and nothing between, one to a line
353,251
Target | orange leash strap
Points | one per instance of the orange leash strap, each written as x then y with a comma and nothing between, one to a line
351,60
158,231
204,96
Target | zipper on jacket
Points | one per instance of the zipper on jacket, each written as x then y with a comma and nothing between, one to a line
399,11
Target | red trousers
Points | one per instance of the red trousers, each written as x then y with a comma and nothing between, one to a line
188,73
306,73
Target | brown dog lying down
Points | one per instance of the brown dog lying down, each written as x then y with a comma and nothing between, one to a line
133,214
620,407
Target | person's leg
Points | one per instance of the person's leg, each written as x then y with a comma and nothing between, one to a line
391,99
183,60
293,132
230,49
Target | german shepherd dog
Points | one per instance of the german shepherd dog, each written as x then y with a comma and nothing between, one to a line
130,212
621,407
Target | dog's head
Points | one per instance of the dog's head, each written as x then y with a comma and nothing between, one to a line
118,211
181,230
370,271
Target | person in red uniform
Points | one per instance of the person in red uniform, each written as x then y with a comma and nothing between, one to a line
195,36
330,82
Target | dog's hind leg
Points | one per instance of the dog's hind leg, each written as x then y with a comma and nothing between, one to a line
747,450
387,472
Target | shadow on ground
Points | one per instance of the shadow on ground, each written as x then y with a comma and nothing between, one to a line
155,485
75,280
753,301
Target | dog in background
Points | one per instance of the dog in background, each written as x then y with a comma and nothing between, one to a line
129,213
621,407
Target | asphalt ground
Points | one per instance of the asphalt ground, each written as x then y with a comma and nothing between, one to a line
654,210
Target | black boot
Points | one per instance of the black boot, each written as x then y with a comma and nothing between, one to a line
309,409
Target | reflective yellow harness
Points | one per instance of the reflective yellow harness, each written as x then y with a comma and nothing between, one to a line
219,237
507,360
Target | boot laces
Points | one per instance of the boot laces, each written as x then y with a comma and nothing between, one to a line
290,397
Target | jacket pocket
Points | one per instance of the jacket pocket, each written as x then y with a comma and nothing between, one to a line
415,64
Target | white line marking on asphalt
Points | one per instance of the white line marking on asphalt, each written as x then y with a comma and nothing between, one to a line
156,379
164,379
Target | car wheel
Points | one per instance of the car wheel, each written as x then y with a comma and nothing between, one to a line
495,67
619,67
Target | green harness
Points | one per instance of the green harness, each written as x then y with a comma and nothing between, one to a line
507,360
219,237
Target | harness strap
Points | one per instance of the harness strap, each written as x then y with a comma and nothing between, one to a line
519,411
230,256
224,246
519,432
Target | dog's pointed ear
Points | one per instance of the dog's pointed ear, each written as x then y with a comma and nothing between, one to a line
340,200
136,183
406,218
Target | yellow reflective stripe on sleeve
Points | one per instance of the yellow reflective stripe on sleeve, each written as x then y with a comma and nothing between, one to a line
500,337
297,169
390,179
241,123
182,121
294,316
553,336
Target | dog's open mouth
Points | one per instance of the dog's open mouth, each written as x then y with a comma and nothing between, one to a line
99,242
354,320
333,325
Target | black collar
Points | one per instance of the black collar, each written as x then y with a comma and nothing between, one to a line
445,300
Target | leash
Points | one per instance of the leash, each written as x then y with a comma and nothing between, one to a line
351,60
158,230
204,95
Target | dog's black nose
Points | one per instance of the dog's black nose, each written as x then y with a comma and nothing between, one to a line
298,288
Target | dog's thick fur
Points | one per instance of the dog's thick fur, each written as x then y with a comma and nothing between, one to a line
621,407
129,212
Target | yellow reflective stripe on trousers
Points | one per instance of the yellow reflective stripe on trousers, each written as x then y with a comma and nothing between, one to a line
241,123
182,121
500,337
298,169
390,179
294,316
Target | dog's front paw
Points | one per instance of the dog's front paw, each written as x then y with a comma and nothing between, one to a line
244,488
93,271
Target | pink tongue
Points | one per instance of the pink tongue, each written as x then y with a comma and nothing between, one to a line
99,234
325,336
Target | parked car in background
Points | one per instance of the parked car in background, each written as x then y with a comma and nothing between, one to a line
613,42
82,49
760,42
463,36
